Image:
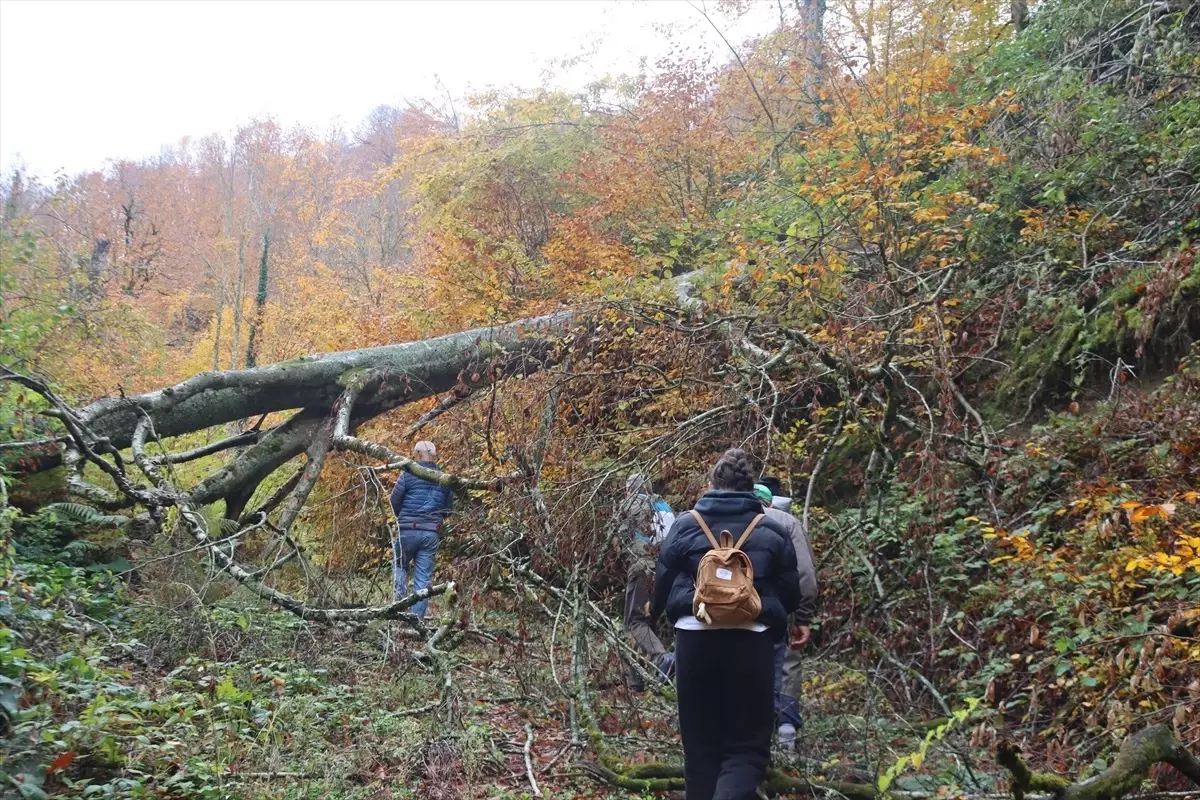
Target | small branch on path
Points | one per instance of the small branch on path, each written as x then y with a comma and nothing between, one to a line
529,760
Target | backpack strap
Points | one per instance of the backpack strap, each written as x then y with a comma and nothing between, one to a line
749,529
704,527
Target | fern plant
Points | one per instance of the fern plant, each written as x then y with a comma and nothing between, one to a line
86,515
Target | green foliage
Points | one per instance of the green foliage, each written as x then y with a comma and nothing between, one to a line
1052,182
70,684
1096,194
69,533
27,261
489,197
86,515
916,759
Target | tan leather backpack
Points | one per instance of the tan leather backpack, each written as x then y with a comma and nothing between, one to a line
725,593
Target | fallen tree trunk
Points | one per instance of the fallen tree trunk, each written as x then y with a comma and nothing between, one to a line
312,384
426,367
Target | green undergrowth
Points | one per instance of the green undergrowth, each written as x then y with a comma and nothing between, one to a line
105,692
115,690
1061,588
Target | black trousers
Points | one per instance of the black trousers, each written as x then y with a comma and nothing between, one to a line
725,682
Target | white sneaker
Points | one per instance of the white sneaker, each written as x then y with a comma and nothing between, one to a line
787,736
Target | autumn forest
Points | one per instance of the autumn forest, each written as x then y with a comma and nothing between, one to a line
931,264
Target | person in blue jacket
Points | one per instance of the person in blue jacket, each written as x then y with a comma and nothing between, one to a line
420,507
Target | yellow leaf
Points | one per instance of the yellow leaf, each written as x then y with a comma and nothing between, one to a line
1146,512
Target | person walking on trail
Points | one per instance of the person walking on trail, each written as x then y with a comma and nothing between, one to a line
727,579
787,652
420,507
645,519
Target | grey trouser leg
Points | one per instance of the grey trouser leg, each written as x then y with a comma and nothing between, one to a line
793,683
637,618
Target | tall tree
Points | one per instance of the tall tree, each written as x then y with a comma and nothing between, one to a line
812,23
260,300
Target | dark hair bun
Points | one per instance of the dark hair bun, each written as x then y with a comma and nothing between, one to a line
733,472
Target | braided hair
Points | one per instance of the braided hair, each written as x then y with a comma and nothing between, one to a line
733,472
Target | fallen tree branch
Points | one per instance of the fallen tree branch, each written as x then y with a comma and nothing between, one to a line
529,761
599,621
277,497
240,440
1132,765
317,451
342,439
812,478
656,777
193,522
196,526
445,404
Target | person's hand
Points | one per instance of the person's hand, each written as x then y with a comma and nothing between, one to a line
800,636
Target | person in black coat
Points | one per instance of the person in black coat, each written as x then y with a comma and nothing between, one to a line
725,674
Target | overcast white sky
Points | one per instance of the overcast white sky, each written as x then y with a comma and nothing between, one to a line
84,82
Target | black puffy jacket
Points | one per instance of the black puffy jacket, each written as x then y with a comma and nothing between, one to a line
769,547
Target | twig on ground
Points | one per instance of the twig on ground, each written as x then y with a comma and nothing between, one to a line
529,760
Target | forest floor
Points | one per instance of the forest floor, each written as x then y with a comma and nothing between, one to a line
201,702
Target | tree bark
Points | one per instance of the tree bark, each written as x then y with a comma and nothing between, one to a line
1019,11
238,294
1131,766
260,302
812,21
96,268
424,368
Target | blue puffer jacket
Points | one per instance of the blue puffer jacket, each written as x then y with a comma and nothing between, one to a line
420,504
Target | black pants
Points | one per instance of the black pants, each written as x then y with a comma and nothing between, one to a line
725,682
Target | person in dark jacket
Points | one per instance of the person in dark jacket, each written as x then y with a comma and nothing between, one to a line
420,507
724,674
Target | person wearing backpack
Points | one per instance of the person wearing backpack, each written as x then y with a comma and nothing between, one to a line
727,580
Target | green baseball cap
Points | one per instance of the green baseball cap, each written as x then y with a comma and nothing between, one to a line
764,494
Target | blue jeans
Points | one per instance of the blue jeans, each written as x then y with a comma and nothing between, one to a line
787,684
416,550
